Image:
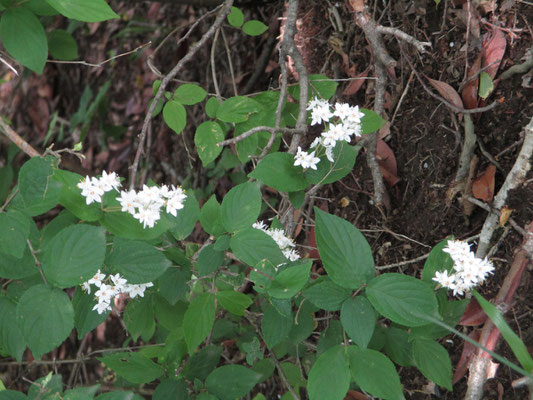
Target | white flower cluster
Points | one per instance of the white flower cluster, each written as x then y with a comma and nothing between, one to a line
146,204
285,244
346,124
106,292
93,188
469,270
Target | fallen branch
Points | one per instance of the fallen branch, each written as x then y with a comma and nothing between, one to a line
17,140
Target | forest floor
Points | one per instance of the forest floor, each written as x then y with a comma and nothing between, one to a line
423,141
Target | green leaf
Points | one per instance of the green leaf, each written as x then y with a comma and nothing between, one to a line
11,338
375,373
209,260
304,322
237,109
124,225
275,326
24,38
183,224
6,179
326,172
486,86
63,220
277,170
139,318
344,251
358,319
119,395
71,197
74,255
207,135
329,377
189,94
17,268
437,260
211,217
137,261
231,381
234,302
169,316
83,10
37,188
253,245
241,207
211,107
397,346
85,319
46,318
134,367
290,280
325,294
236,17
433,361
14,232
371,121
402,299
199,319
515,343
173,284
201,363
12,395
62,45
175,116
254,28
81,393
171,388
319,86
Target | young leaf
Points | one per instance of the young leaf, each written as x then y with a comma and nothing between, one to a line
241,207
62,45
231,381
329,377
46,318
83,10
175,116
74,255
234,302
326,295
375,373
236,17
207,135
275,327
485,85
290,281
433,361
277,170
237,109
402,299
24,38
211,107
358,319
254,28
198,320
371,121
134,367
189,94
346,254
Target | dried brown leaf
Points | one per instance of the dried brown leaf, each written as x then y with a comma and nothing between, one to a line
483,187
447,92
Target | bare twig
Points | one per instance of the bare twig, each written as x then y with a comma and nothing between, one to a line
292,131
404,36
15,138
165,81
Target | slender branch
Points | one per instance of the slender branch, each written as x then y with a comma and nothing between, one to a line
519,68
274,131
165,81
15,138
404,36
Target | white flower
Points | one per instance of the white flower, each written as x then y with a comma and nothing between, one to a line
119,282
321,113
259,225
305,159
136,290
110,181
85,184
342,110
291,254
86,287
128,201
96,279
338,132
317,103
355,115
105,293
175,203
329,154
102,307
316,142
147,216
443,278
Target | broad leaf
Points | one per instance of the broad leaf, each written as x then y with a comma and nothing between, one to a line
290,280
124,225
237,109
83,10
319,86
184,222
402,299
74,255
253,245
134,367
329,377
371,121
62,45
325,294
175,116
209,260
71,197
275,327
234,302
344,157
438,260
231,381
46,318
11,337
170,388
358,319
277,170
139,318
14,232
199,320
211,217
85,318
189,94
207,135
254,28
241,207
344,251
433,361
201,363
236,17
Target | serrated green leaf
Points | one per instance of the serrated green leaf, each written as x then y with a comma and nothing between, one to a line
14,232
189,94
277,170
209,260
231,381
24,38
171,388
134,367
254,28
234,302
139,318
46,318
17,268
201,363
137,261
402,299
175,116
236,17
82,10
237,109
62,45
198,320
375,373
37,188
329,377
290,280
207,135
344,251
433,361
253,245
123,224
325,294
319,86
241,207
173,284
275,326
358,319
74,255
11,337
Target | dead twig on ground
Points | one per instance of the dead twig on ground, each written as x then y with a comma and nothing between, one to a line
519,68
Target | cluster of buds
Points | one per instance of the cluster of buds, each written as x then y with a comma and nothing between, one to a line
470,271
343,122
115,286
285,243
